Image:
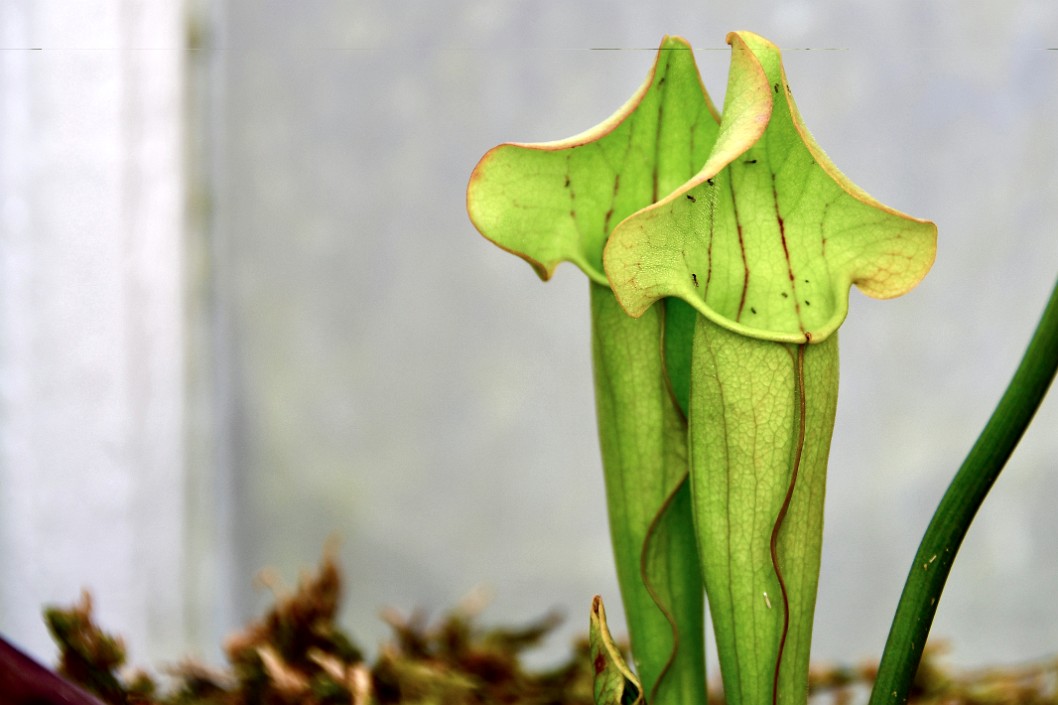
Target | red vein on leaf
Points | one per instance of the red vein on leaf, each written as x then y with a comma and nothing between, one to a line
569,188
782,515
786,252
742,249
712,233
613,203
662,88
745,267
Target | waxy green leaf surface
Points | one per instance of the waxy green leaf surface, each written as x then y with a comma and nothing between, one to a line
559,201
745,447
643,439
764,242
768,237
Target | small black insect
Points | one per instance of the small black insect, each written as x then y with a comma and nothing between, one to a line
694,278
776,87
750,161
752,310
710,182
691,198
807,302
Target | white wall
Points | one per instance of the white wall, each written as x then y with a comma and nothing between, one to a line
92,482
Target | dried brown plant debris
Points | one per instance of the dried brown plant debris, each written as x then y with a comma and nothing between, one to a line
92,658
296,654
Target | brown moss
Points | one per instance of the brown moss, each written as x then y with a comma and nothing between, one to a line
296,654
88,655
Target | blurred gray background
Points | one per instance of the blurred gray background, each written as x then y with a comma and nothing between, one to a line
243,308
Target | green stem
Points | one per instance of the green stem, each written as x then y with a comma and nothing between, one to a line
936,553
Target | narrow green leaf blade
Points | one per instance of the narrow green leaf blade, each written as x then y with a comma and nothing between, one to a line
643,438
744,446
958,507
